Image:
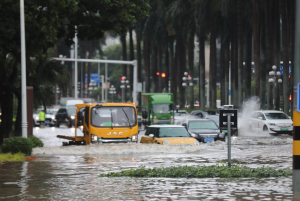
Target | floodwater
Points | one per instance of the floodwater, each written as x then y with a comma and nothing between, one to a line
71,173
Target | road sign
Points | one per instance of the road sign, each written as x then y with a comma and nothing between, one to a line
298,97
281,70
94,78
223,119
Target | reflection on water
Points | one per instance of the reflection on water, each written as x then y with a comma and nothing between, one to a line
76,177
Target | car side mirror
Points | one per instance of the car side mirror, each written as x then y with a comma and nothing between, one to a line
79,116
145,114
151,135
79,123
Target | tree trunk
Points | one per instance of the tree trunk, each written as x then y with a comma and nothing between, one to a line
167,70
292,19
191,47
124,58
285,53
159,66
131,58
7,115
222,70
240,54
147,65
173,71
248,65
139,64
18,127
202,72
213,64
154,68
262,95
226,66
268,50
181,66
256,48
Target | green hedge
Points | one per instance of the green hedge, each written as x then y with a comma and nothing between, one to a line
20,145
222,171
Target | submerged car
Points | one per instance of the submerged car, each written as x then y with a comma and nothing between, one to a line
271,121
180,115
204,130
168,134
198,114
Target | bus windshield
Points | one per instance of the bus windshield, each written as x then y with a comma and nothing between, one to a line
113,116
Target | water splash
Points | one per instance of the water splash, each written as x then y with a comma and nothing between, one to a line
249,106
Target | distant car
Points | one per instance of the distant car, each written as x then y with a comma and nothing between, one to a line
49,118
66,116
271,121
215,118
204,130
199,114
179,115
211,112
167,134
139,119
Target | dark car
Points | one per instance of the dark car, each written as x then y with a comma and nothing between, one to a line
198,114
66,116
204,130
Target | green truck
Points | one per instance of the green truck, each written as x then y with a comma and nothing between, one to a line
160,107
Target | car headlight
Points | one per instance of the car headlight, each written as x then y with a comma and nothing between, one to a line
37,118
222,135
272,124
72,117
197,142
165,142
134,137
194,134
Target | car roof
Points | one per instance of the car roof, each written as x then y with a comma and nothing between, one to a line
164,126
199,120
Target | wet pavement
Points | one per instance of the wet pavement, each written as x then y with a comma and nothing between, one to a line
71,173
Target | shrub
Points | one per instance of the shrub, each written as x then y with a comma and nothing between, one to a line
11,157
36,142
17,144
222,171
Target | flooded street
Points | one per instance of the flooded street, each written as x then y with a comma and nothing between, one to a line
71,173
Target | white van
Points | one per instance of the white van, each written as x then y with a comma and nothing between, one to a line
73,102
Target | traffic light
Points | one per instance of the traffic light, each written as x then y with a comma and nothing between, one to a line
290,98
123,78
163,75
157,73
189,76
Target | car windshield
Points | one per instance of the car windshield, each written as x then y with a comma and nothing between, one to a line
203,125
113,116
173,132
276,116
214,118
162,108
71,110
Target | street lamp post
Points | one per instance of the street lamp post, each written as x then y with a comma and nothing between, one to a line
187,81
124,85
112,91
169,85
273,78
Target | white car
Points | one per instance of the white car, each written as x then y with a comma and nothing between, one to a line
49,118
179,116
271,121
